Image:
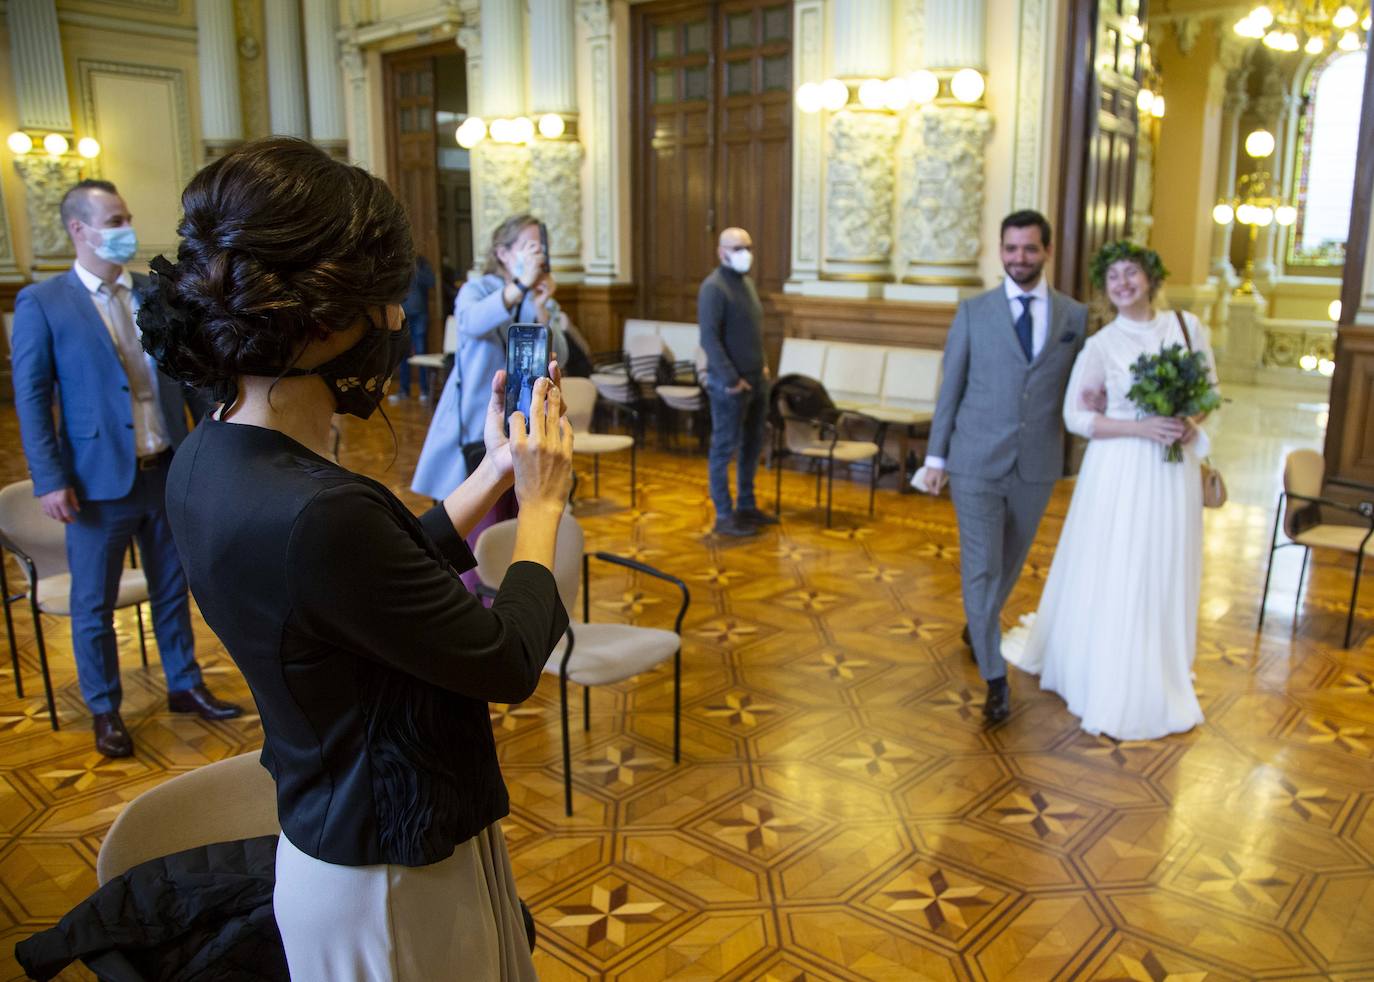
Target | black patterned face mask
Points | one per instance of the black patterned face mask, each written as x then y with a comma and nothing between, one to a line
361,376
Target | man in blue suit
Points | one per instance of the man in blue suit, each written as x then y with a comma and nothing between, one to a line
102,469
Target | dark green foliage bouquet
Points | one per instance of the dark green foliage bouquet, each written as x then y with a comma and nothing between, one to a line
1173,383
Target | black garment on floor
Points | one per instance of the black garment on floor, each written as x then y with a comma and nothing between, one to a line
202,914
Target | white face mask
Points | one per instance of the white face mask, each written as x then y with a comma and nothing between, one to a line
741,260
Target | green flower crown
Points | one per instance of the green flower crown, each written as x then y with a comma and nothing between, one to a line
1114,252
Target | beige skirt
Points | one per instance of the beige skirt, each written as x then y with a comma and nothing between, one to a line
455,919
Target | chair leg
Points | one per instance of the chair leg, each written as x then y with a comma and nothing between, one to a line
1297,597
567,752
829,490
9,627
816,466
596,475
43,660
777,486
142,636
587,708
1268,570
873,481
677,705
1354,596
633,451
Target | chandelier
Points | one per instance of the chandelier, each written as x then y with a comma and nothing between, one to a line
1312,25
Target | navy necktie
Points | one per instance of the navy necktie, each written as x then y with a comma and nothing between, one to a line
1024,325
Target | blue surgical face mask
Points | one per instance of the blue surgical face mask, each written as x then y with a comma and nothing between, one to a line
117,245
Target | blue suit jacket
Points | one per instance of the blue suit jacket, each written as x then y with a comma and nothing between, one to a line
60,340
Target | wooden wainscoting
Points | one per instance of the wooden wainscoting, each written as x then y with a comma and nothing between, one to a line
599,311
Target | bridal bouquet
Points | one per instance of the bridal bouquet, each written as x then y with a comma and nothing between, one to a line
1173,383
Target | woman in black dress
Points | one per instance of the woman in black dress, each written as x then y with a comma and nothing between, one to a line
370,664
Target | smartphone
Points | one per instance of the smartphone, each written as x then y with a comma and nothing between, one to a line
544,243
527,359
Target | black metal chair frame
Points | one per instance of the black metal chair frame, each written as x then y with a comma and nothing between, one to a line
1364,510
831,429
31,571
685,373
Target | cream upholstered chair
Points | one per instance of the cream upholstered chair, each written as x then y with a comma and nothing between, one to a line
40,545
1300,513
234,798
580,394
590,654
807,424
685,396
433,361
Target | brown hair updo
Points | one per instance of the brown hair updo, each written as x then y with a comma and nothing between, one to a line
280,245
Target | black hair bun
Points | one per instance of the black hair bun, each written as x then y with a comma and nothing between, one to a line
171,331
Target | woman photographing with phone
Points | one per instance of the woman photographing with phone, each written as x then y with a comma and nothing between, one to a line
369,662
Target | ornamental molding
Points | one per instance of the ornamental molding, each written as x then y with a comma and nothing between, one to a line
943,154
1031,119
173,79
595,16
555,170
46,179
504,173
859,187
809,144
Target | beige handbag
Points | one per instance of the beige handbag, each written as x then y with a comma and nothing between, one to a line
1213,486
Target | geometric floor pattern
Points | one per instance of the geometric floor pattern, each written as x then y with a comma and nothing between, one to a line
839,811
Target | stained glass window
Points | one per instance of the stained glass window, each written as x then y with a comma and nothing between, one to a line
1326,160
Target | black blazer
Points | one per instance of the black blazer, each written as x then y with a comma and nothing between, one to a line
370,664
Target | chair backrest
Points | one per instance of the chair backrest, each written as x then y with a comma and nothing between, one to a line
911,378
450,334
802,356
23,523
700,362
230,799
647,357
580,395
636,328
854,372
1303,472
496,545
680,339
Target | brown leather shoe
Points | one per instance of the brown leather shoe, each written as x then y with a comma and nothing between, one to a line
198,700
111,739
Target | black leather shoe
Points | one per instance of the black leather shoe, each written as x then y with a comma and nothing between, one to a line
734,528
968,638
111,739
998,706
198,700
752,516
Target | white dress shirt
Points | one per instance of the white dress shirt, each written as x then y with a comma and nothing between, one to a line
1040,327
150,429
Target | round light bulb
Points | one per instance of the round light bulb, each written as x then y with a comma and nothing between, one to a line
88,147
1223,214
56,144
1144,100
522,130
1308,363
1264,217
967,85
1285,215
1290,42
925,86
834,95
1344,17
551,126
1314,45
19,142
470,132
1245,214
809,97
499,129
896,94
1157,110
1247,28
1261,16
1333,310
1326,366
1349,42
871,95
1259,143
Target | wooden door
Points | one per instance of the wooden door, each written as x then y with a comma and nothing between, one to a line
412,159
713,144
1098,177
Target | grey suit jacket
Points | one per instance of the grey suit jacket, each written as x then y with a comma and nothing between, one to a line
997,413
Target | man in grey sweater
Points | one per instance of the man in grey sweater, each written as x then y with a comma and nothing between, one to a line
731,321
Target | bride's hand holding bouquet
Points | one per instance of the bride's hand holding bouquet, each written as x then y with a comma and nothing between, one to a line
1169,389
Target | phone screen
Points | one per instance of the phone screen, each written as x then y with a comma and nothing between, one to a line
527,359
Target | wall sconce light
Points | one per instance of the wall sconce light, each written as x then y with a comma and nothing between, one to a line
809,97
470,132
967,85
1333,311
19,143
88,147
1157,109
920,88
56,144
925,86
834,95
53,144
552,126
1259,143
872,94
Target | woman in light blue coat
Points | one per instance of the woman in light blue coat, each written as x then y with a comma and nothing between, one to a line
514,288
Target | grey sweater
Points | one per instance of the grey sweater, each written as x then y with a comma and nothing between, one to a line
731,321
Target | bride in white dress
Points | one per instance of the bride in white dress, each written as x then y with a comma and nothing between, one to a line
1116,631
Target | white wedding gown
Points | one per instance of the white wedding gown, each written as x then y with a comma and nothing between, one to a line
1116,631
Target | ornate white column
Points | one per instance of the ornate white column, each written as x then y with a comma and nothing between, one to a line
40,86
603,140
808,145
941,166
221,115
469,38
503,46
1233,104
500,171
858,177
354,67
327,127
285,74
556,164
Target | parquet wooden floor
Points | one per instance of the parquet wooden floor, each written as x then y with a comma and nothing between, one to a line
840,813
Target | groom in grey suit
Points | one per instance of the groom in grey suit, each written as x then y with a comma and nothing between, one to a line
998,431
